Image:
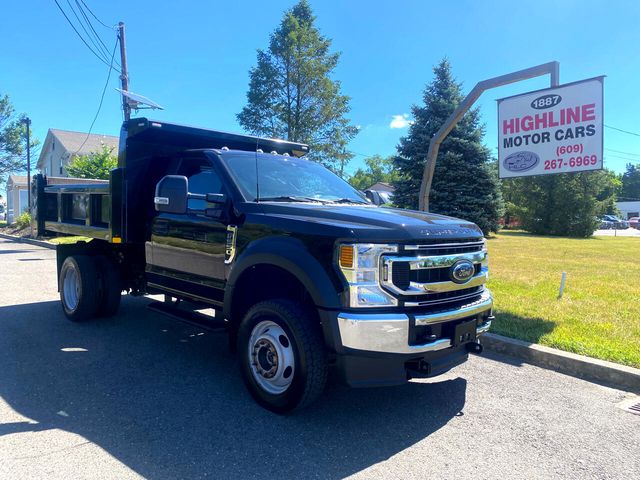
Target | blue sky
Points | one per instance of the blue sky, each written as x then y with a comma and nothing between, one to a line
193,58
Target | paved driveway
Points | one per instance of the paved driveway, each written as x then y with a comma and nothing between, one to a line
143,396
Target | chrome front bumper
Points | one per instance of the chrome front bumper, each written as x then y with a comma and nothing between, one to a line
389,332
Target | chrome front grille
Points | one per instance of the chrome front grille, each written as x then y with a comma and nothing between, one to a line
421,274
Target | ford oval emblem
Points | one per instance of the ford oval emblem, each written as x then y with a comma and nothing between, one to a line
521,161
462,271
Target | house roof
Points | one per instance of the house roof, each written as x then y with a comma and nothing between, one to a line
76,143
17,179
385,187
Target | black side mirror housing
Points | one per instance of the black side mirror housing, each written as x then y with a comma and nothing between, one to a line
172,193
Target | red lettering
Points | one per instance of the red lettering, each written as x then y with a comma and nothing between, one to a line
541,120
509,127
573,115
588,112
527,123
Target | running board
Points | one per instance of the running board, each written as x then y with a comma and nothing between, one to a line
188,316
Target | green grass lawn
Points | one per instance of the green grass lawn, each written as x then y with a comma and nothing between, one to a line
67,240
598,316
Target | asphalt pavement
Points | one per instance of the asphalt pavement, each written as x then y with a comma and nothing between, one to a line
144,396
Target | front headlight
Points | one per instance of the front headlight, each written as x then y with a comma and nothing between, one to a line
360,265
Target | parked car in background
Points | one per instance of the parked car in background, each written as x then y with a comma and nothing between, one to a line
3,215
605,224
634,221
617,223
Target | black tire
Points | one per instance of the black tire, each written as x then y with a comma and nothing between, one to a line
79,272
110,287
310,368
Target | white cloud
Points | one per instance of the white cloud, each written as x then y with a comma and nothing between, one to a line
400,121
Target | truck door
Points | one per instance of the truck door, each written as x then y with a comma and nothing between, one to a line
186,251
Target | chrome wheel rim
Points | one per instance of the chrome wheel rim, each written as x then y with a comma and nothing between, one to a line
271,358
71,289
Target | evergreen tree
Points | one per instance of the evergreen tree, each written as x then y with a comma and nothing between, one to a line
464,184
631,183
291,94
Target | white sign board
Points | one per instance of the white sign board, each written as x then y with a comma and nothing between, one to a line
555,130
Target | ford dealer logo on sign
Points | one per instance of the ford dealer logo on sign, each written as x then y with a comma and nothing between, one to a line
556,130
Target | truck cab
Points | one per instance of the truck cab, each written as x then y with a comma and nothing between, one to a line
307,277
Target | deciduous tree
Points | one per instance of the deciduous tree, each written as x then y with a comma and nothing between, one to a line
13,151
378,169
94,165
566,204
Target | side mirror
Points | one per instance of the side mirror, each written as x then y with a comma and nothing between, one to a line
171,194
373,196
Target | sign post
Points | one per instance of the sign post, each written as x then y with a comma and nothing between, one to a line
555,130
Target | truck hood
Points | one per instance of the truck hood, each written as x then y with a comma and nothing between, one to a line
367,223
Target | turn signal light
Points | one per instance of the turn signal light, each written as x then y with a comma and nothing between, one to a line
346,256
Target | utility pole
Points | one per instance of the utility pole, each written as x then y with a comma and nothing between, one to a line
124,73
27,122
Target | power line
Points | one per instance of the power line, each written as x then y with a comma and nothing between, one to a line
81,38
637,160
106,84
623,131
94,16
99,48
90,24
625,153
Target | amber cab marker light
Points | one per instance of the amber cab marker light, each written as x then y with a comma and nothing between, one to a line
346,256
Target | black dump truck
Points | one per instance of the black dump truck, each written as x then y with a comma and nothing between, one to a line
305,274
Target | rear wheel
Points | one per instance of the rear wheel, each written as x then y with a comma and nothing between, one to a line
79,288
282,355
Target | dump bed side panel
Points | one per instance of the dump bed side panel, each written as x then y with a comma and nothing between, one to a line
66,206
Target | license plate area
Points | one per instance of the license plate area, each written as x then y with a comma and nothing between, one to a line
465,332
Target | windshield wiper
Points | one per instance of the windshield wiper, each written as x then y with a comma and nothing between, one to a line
349,200
291,198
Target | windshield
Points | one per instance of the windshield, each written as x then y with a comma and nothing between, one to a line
289,179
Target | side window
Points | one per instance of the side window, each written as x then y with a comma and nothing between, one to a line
202,179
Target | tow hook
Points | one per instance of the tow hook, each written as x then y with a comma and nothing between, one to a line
474,347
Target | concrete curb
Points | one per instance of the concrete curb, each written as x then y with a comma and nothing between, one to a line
591,369
39,243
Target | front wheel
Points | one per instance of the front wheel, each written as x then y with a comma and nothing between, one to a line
282,355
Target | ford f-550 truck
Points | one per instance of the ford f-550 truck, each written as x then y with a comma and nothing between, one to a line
305,275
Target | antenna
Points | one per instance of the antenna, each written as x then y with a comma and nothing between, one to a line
257,176
138,102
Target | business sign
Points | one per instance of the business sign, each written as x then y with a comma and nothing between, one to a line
555,130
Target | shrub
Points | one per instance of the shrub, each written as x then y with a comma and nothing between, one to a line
24,220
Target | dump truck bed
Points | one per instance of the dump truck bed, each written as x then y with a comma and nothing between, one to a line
120,210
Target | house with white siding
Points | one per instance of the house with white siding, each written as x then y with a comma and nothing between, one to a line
61,146
16,197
